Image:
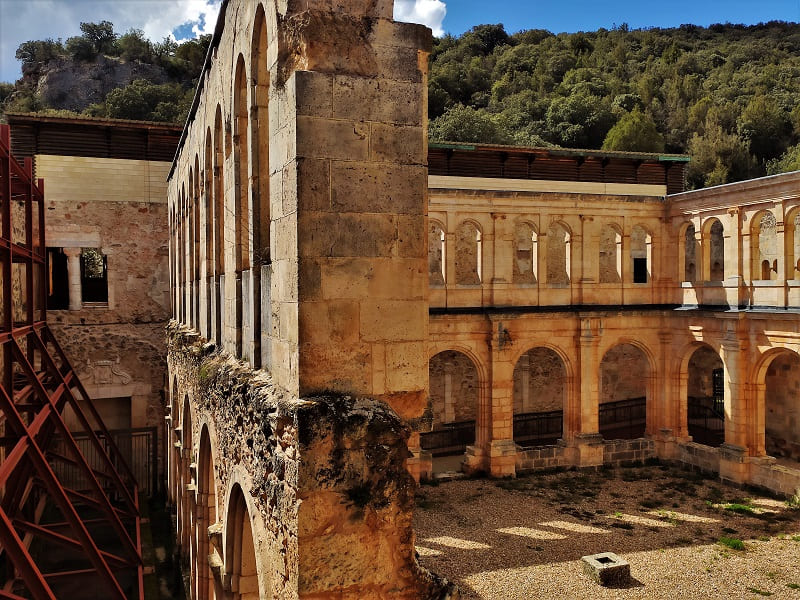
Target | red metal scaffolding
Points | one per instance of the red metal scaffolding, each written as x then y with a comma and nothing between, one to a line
57,541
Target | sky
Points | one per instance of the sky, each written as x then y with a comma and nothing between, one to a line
22,20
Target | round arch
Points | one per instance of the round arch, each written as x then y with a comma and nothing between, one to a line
241,566
207,587
626,403
541,386
775,426
791,238
702,407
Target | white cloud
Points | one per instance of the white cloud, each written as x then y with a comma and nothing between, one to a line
427,12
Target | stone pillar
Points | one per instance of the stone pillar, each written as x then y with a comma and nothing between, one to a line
502,449
734,452
583,435
74,274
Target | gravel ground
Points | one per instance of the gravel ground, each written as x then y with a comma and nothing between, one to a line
523,539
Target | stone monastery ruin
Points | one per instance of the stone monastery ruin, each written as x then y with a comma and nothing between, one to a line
352,308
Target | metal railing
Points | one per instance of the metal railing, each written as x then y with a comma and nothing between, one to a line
139,448
625,419
452,438
706,423
538,429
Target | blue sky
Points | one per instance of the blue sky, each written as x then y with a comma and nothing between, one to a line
588,15
22,20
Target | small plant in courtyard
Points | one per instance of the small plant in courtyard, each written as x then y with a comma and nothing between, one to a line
793,586
759,592
732,543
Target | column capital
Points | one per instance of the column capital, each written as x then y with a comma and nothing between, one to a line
73,252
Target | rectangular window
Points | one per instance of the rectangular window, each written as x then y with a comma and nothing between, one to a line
57,280
94,276
639,270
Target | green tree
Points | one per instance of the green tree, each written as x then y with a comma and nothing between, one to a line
718,157
466,124
35,52
634,132
79,48
134,46
101,36
766,127
790,161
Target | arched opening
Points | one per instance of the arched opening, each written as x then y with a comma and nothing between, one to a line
706,397
690,254
469,254
242,232
219,222
187,487
196,247
208,203
172,452
558,255
714,254
794,242
641,254
624,387
526,254
610,259
454,399
764,247
240,553
540,392
436,254
206,517
782,407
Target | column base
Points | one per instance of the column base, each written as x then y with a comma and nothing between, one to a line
586,450
734,465
476,460
420,464
667,443
503,458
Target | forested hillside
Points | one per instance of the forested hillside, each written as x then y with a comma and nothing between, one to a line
103,74
729,95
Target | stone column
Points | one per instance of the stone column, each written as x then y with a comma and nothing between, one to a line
583,424
74,274
734,452
502,449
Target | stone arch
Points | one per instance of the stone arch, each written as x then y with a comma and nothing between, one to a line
208,203
702,386
241,567
777,390
626,385
437,253
219,219
641,254
558,254
242,171
610,254
713,250
455,388
172,451
196,245
187,535
540,388
526,253
259,128
764,246
469,253
207,585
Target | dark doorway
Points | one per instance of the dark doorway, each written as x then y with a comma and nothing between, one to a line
94,276
639,270
57,280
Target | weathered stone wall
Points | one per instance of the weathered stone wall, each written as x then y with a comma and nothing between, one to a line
119,207
542,371
454,388
783,407
329,498
624,372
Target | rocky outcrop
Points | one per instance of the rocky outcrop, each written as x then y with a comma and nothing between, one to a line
74,85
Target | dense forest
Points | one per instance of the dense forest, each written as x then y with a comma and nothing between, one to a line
728,95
